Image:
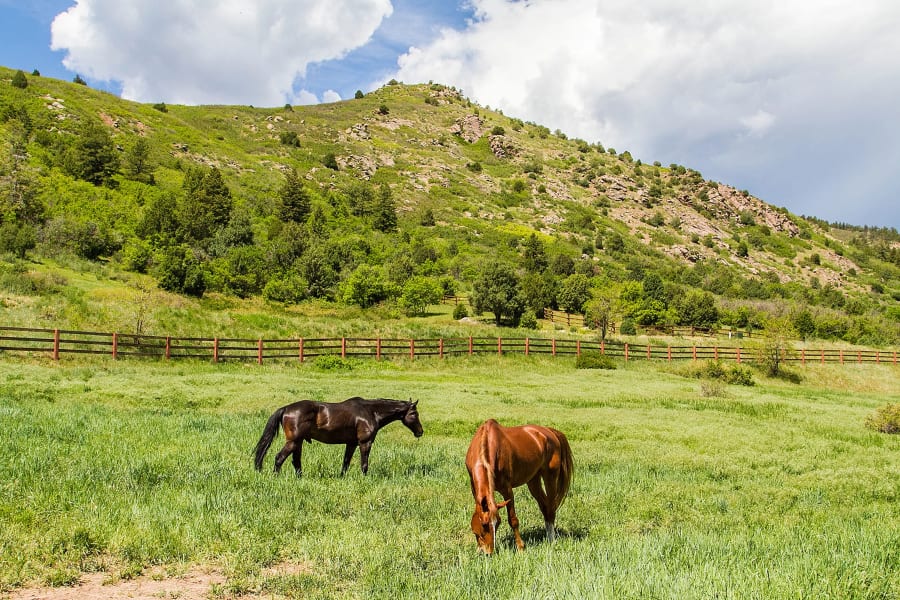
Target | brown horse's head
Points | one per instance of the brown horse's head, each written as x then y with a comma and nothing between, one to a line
411,419
485,521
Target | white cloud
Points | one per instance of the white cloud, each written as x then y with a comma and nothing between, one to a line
196,51
734,87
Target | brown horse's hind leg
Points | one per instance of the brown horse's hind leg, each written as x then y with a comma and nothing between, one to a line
348,456
297,458
545,502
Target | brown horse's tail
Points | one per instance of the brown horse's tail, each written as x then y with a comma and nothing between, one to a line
567,468
268,434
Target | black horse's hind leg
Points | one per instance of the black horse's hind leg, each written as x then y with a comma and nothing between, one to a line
282,455
348,456
296,459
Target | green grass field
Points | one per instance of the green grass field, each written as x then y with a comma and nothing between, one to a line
771,491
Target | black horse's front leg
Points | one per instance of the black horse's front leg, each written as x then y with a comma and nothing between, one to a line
348,455
364,456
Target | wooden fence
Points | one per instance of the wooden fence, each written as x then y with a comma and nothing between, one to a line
56,342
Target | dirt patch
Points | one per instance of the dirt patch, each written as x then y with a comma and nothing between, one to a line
194,585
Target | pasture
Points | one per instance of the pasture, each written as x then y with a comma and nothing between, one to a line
770,491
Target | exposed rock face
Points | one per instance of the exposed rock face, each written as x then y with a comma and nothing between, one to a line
360,131
469,128
364,164
501,147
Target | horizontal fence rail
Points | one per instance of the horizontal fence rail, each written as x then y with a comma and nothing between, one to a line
56,342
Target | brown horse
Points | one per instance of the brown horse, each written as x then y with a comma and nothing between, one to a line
353,422
502,458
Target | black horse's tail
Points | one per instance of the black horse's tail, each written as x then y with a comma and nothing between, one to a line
268,434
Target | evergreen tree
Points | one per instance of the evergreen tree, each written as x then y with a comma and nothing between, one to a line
19,80
295,202
385,210
93,156
535,257
207,204
137,165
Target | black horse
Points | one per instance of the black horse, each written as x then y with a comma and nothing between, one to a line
354,422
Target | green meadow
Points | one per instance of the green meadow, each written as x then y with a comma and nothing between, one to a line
776,490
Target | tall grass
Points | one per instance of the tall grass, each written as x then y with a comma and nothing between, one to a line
774,491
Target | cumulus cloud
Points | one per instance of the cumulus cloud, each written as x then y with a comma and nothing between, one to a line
731,87
200,52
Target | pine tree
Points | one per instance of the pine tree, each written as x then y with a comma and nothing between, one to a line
19,80
295,203
385,211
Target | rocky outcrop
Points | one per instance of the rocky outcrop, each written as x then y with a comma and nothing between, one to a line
469,128
501,147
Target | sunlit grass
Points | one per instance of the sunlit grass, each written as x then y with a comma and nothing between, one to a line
772,491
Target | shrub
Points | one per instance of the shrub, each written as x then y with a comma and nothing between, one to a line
359,94
475,167
627,327
886,419
460,312
19,80
594,360
498,130
79,80
289,138
330,161
383,109
528,320
333,362
161,107
290,289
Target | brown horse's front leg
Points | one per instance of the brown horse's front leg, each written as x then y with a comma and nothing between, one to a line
513,519
297,458
348,455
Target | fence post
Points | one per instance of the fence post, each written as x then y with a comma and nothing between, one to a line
602,346
693,352
841,355
412,349
499,346
739,355
553,347
526,346
259,352
56,344
716,352
626,351
823,356
859,356
803,356
470,346
648,352
378,349
168,347
877,357
300,349
215,350
441,347
669,353
115,345
343,347
577,347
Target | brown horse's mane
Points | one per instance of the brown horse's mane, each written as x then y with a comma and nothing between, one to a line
485,454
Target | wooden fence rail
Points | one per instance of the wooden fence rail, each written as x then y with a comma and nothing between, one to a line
56,342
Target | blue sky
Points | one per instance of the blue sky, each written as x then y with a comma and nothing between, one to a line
793,100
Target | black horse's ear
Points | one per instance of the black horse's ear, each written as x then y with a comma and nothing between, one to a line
415,403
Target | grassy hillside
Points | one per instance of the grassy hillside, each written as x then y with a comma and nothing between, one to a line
408,186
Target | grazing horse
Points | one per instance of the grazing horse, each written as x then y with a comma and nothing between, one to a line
354,422
502,458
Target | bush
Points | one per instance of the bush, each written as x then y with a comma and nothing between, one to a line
161,107
627,327
528,320
498,130
594,360
460,312
333,362
330,161
712,389
886,419
19,80
290,289
359,94
289,138
383,109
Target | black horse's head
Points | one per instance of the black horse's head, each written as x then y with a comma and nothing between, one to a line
411,419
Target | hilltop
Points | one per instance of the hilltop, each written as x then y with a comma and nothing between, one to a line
407,192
